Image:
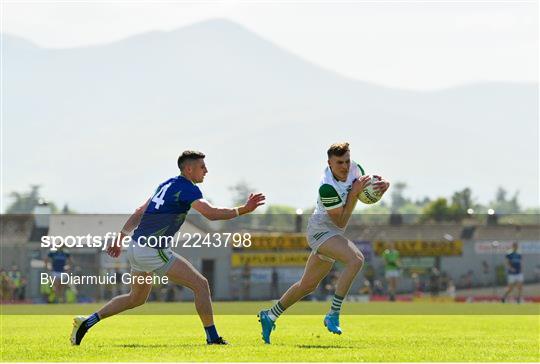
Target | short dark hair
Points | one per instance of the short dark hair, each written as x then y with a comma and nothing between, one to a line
338,149
189,155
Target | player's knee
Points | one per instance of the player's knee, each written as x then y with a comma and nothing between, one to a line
356,261
202,285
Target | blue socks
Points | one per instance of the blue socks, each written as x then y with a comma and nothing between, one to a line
211,333
91,320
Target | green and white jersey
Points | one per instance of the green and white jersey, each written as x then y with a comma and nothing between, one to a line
391,257
333,194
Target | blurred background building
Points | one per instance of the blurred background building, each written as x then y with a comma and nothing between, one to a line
462,261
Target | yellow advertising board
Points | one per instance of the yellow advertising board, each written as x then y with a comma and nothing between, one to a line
422,248
278,241
269,259
426,248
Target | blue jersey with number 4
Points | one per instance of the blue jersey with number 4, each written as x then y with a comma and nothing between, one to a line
166,211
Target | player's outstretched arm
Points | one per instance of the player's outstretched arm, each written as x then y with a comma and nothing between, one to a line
224,213
133,221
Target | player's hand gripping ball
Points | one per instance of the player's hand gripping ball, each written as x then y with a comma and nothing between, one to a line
370,194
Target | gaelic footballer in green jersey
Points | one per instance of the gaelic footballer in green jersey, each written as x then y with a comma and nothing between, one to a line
339,187
391,269
162,215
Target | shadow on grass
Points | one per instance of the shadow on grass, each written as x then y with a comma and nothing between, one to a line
153,346
324,347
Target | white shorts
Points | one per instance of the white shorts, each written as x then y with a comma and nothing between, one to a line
393,273
319,234
316,236
146,259
56,274
515,278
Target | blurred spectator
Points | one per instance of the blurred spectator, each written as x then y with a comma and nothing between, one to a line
71,294
329,283
444,281
416,284
169,292
515,273
366,288
5,281
537,273
423,285
21,292
60,261
451,289
47,293
155,292
15,279
434,281
378,288
391,269
369,274
173,292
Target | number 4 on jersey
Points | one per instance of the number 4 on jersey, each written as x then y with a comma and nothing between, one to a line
158,197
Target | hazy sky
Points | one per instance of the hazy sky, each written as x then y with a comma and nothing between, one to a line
406,44
420,45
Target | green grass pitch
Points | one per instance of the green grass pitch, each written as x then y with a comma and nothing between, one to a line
148,337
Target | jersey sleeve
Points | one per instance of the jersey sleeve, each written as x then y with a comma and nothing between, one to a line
50,255
329,197
191,194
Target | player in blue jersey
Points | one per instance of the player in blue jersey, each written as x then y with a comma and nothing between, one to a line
58,259
162,215
515,275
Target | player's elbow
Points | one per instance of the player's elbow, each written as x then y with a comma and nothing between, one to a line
210,215
336,221
341,224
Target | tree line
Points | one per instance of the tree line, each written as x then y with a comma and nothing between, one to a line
461,205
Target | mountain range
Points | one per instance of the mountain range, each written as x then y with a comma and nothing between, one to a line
100,126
